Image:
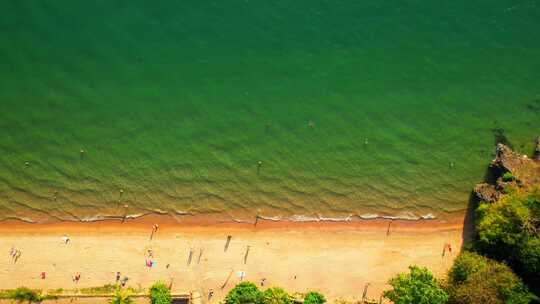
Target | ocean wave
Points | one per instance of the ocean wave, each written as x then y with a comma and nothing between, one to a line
349,218
275,218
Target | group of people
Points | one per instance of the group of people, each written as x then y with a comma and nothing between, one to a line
15,254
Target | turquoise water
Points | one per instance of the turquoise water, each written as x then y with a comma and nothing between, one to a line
353,107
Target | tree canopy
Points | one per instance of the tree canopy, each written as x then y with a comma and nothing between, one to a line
244,293
160,294
416,287
276,295
509,230
474,279
314,297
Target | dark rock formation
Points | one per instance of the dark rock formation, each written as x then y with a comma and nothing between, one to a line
525,172
487,193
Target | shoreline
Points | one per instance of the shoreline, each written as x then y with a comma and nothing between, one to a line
208,222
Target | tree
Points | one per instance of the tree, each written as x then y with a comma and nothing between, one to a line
160,294
276,295
314,297
244,293
416,287
474,279
122,296
509,231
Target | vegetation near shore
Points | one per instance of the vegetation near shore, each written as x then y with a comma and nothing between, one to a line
416,287
249,293
24,294
122,296
509,231
160,294
476,279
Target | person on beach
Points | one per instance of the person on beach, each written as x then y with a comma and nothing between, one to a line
446,247
65,239
43,275
124,281
154,230
12,253
263,281
76,278
117,277
18,254
210,293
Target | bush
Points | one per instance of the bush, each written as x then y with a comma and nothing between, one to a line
24,294
416,287
105,289
314,297
122,296
160,294
508,230
476,279
244,293
508,177
276,295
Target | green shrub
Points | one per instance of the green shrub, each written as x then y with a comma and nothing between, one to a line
244,293
508,177
160,294
508,230
24,294
416,287
105,289
314,297
122,296
276,295
474,279
466,264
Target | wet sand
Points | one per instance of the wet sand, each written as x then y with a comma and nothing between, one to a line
336,258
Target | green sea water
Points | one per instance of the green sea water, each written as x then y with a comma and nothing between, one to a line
356,108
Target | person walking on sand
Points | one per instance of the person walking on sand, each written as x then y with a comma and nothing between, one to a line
43,275
76,278
117,277
446,247
155,228
12,253
18,254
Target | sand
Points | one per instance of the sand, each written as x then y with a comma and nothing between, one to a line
338,259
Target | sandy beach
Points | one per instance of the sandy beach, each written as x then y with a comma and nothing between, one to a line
338,259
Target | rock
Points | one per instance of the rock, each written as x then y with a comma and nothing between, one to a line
487,193
525,170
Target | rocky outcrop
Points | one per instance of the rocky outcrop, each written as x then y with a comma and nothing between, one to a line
523,172
487,193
